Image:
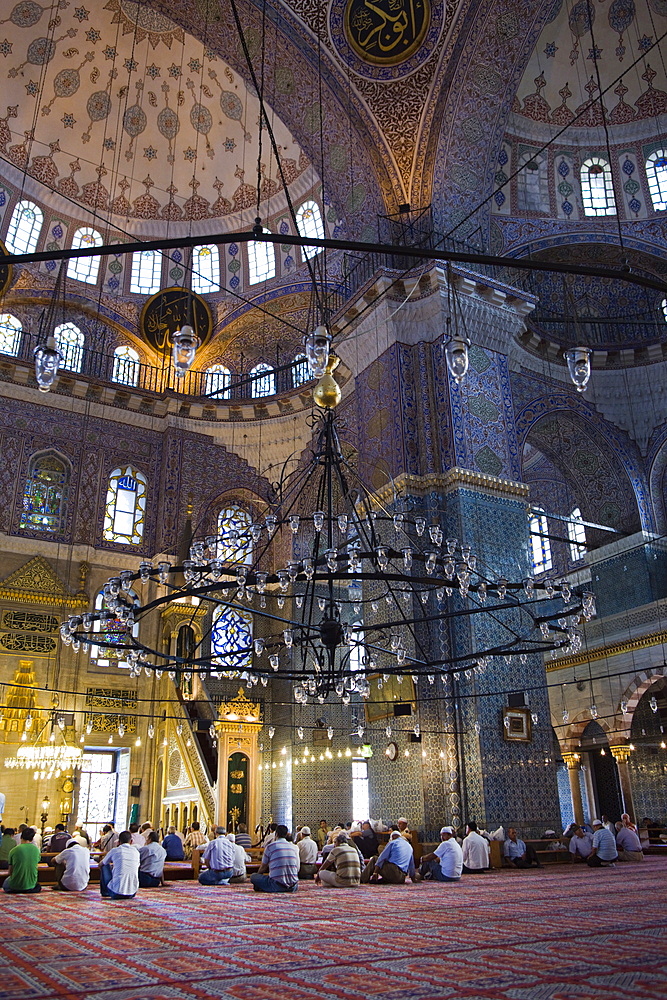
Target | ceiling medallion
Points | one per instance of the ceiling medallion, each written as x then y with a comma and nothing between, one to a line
168,310
385,39
143,22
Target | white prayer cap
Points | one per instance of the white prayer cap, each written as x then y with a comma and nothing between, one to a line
447,829
305,831
395,834
401,819
596,822
232,837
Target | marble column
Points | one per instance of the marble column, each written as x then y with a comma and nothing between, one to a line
621,755
573,762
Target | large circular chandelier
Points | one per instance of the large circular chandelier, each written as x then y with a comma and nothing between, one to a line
341,588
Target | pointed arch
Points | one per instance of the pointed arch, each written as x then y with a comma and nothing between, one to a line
125,507
45,491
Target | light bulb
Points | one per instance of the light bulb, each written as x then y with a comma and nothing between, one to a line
184,347
47,361
456,355
579,365
317,346
272,732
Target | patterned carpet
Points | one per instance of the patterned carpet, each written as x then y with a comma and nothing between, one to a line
564,933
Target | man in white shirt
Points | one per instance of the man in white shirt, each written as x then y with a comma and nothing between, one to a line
628,844
240,861
219,855
151,862
72,867
138,839
445,864
603,852
119,870
475,851
581,844
307,854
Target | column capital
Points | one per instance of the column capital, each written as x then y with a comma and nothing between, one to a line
621,753
572,759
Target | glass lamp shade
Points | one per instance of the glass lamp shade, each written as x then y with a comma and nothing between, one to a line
579,365
317,345
47,362
456,355
185,343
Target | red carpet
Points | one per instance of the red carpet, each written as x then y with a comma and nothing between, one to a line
565,933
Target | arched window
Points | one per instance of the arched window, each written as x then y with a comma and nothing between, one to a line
125,507
532,183
10,334
656,175
541,546
597,189
663,306
264,381
85,268
234,537
231,639
70,343
577,535
206,269
309,223
24,228
113,631
261,262
125,365
217,382
45,493
146,272
300,371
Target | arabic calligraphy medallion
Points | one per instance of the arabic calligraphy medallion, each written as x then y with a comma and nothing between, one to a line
386,32
167,311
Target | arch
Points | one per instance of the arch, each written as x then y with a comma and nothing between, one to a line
309,223
264,381
656,177
44,503
85,269
125,506
146,272
126,364
70,343
635,691
24,228
217,382
261,261
11,329
597,187
205,269
235,542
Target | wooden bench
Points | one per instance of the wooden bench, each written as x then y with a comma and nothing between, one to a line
544,855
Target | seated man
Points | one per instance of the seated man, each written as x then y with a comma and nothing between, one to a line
243,838
403,828
173,845
342,868
196,838
628,844
240,861
219,857
119,870
23,861
603,852
476,850
279,870
108,840
445,864
59,840
322,833
152,857
581,844
366,840
72,867
307,854
7,845
138,839
516,853
394,864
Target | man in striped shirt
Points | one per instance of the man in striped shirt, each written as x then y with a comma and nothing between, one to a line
342,868
279,870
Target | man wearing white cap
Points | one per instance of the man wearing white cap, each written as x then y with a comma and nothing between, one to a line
445,864
307,854
603,852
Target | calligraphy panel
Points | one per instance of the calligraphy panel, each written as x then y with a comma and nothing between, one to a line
386,32
168,310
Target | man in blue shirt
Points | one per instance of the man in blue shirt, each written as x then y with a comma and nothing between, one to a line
394,864
173,845
517,853
603,853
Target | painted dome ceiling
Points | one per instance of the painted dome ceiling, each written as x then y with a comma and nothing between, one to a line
116,108
561,76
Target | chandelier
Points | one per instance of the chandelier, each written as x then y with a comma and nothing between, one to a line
341,589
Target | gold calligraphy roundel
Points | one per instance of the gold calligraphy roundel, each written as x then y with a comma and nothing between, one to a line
386,32
167,311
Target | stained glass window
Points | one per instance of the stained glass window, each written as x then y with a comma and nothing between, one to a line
125,365
206,269
541,546
309,223
261,262
597,189
663,306
24,228
45,492
125,508
264,381
70,343
234,538
533,183
231,639
576,532
85,268
300,371
217,382
656,175
113,631
146,272
10,334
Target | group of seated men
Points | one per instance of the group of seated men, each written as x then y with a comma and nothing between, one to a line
607,844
